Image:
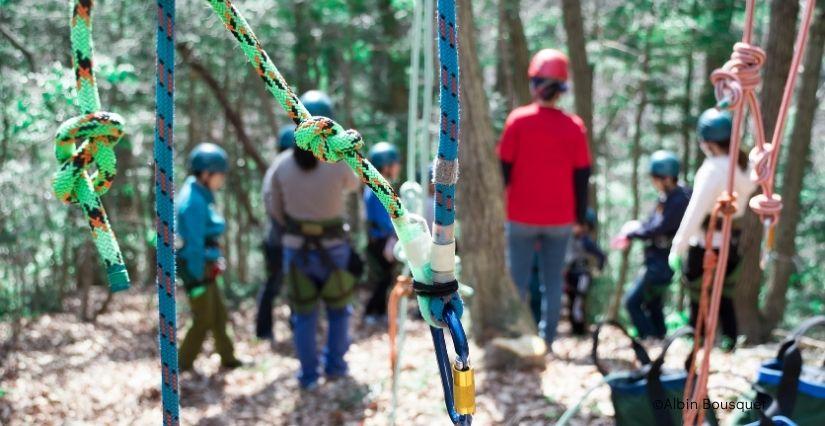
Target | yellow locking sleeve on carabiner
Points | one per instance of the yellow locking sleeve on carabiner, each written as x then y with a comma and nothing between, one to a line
464,390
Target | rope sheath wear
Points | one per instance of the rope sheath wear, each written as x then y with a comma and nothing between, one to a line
735,86
329,141
88,141
165,209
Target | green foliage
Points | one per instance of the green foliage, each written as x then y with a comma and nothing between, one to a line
344,47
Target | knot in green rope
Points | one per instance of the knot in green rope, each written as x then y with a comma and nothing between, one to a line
327,140
83,142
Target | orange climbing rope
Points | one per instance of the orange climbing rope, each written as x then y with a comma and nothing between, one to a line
735,85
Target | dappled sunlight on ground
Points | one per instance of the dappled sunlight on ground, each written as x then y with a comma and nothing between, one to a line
107,373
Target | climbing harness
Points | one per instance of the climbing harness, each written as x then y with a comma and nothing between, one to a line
165,209
87,142
337,290
735,85
435,283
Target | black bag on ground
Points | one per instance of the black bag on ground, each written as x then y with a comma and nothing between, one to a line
648,395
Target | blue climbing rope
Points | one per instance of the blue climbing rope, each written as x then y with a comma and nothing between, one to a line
165,209
445,171
457,381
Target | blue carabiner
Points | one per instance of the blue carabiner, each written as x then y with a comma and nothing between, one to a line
462,349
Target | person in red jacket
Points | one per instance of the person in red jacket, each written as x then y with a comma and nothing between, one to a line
546,164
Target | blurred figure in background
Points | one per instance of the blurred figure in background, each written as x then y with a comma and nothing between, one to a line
584,260
306,198
644,301
714,130
546,165
381,262
273,252
199,258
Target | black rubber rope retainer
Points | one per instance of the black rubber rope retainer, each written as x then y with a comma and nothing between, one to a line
435,290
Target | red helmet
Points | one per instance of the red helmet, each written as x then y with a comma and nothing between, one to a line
548,63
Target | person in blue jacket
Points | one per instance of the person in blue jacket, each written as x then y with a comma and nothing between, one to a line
381,262
200,262
644,300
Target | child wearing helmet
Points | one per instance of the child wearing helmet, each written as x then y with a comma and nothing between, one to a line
273,251
381,262
200,262
644,300
714,128
306,198
583,258
545,160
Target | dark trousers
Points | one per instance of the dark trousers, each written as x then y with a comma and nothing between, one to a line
273,255
644,300
576,285
727,317
380,277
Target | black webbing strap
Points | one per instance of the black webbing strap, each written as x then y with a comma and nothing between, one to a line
435,290
641,354
655,390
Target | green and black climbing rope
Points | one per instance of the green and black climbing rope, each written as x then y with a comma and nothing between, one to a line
88,141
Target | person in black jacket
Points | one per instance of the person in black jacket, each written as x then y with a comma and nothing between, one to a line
644,300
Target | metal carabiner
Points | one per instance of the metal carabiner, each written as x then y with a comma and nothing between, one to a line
457,380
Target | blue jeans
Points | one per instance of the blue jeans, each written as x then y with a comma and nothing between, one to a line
644,300
306,325
550,244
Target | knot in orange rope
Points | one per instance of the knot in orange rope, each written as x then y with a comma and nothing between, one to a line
767,206
738,75
726,204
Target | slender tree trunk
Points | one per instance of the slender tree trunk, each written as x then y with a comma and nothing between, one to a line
304,47
497,309
719,40
636,154
799,151
395,97
513,54
582,73
779,48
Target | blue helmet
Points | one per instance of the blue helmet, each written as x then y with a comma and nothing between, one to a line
383,154
208,157
286,137
590,217
664,163
714,125
318,103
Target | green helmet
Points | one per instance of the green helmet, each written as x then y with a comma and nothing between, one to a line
286,137
714,125
318,103
208,157
383,154
664,163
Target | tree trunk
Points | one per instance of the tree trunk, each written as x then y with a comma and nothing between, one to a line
719,42
513,55
799,150
636,154
497,309
395,64
581,70
779,50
